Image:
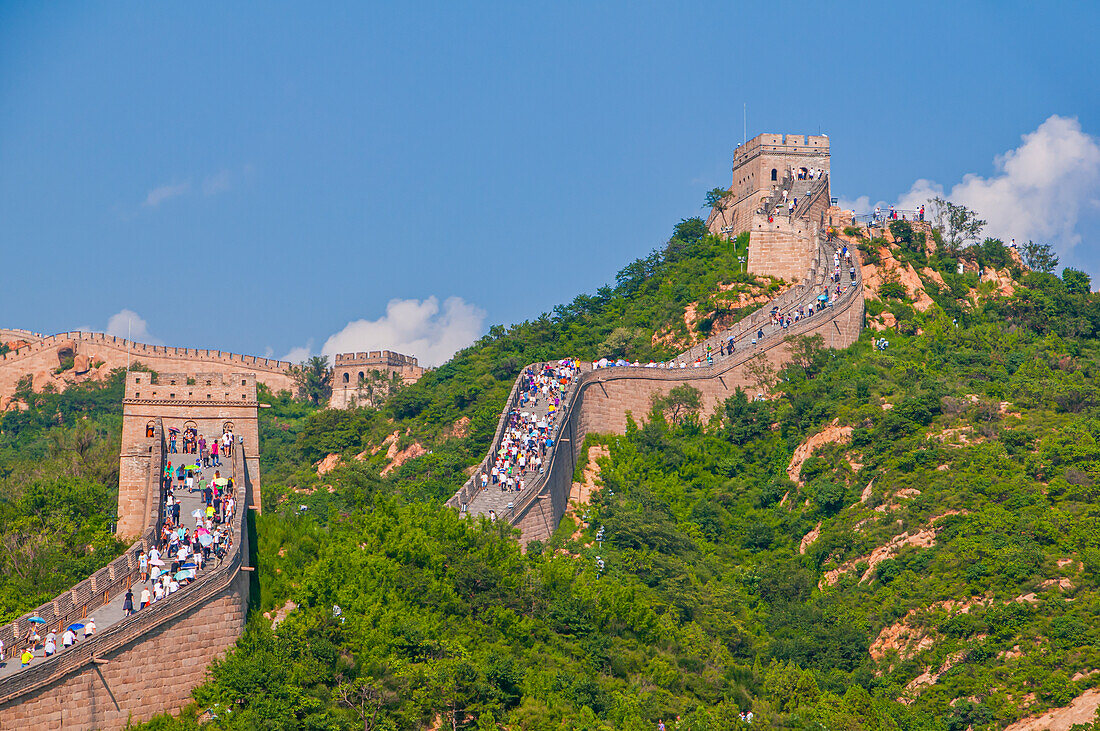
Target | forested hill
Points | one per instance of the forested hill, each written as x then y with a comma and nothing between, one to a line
903,536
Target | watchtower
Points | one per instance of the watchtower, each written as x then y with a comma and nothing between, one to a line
351,376
760,167
210,403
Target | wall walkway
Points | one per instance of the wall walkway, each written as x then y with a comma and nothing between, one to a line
143,664
601,401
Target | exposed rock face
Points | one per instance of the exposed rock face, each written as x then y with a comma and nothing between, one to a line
1081,710
82,364
829,435
328,464
809,539
400,457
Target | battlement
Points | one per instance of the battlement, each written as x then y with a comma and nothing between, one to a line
137,350
222,388
783,145
375,358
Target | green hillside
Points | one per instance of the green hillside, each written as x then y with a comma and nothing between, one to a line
956,514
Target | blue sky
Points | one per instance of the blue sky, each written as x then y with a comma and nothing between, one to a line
254,177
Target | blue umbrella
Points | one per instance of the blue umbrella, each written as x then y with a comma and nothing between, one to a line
189,565
76,626
180,575
37,620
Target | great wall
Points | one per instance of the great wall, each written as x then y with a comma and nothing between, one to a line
138,666
795,245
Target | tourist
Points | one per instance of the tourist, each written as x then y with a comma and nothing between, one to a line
68,638
89,628
143,566
26,657
51,644
128,603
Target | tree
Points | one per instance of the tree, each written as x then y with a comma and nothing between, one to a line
313,379
1076,281
716,199
621,342
1039,257
761,373
956,224
686,234
680,402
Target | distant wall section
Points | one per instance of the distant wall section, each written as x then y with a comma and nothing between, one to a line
365,379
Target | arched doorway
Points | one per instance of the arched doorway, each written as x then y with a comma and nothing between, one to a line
347,378
150,429
775,174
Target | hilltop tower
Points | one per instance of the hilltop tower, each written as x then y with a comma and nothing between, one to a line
209,402
771,172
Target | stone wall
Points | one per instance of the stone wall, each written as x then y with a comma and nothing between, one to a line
150,674
604,399
753,166
147,663
209,401
39,359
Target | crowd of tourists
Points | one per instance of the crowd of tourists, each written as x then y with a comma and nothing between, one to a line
893,214
779,320
528,436
209,453
185,545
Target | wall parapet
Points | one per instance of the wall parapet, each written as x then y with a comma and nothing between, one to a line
552,484
137,349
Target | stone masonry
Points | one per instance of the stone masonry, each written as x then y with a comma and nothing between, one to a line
759,166
210,402
94,355
352,382
607,398
152,674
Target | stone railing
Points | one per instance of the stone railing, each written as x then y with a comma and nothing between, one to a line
820,187
561,464
106,583
141,623
788,300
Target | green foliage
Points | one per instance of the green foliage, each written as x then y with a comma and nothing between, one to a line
1039,257
58,490
313,379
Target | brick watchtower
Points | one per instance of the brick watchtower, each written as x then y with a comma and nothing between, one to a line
760,167
363,379
209,402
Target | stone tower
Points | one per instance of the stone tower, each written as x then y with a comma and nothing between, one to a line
771,173
759,169
209,402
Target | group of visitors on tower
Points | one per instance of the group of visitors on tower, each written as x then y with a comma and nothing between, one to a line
195,443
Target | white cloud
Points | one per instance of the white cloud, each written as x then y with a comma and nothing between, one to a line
217,183
299,354
127,323
861,204
162,193
1038,191
419,328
